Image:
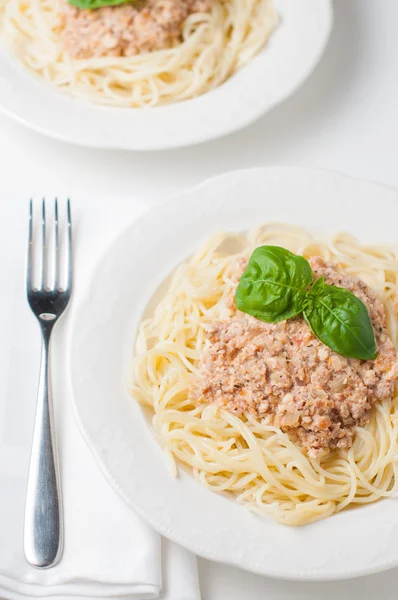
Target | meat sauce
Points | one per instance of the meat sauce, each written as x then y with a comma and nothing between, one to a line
127,29
281,373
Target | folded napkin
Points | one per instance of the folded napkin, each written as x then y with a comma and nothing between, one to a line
109,552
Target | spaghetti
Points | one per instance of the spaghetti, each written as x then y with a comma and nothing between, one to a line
258,464
214,46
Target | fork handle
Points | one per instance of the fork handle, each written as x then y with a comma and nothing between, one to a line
43,514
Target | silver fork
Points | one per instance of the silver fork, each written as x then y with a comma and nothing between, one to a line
43,534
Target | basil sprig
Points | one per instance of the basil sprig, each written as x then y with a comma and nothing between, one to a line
273,286
92,4
276,285
340,320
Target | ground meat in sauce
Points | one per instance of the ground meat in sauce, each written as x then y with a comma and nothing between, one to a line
283,374
127,29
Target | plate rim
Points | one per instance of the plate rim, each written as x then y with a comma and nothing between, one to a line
176,198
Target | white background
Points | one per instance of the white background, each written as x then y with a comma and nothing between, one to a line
345,117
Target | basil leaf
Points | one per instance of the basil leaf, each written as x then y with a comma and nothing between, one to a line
92,4
273,285
340,320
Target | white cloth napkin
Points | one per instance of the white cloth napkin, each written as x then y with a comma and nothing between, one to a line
109,552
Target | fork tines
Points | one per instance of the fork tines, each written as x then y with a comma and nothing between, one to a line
50,279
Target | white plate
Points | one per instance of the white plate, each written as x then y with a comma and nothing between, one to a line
355,542
284,64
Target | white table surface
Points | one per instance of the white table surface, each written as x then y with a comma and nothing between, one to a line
345,117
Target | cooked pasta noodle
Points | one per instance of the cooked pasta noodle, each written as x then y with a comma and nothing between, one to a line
258,464
214,46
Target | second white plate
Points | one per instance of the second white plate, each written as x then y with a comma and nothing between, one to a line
269,78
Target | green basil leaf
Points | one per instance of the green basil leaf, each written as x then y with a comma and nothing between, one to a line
92,4
340,320
273,285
